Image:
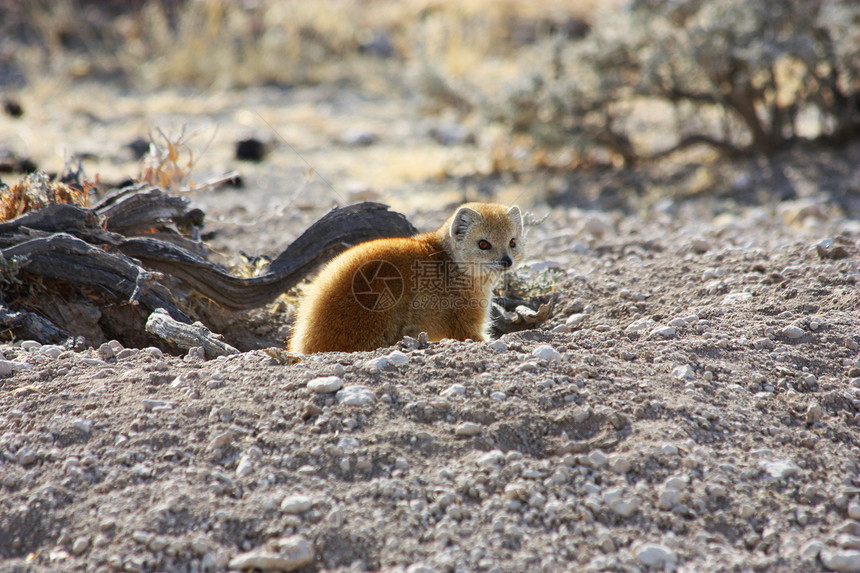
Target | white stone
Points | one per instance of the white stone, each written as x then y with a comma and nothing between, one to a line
6,367
294,552
80,545
498,346
355,396
625,507
655,555
376,364
792,332
675,482
325,384
683,372
780,469
296,503
348,444
491,459
83,425
27,456
420,568
245,466
668,498
397,358
498,396
467,429
664,331
619,464
575,319
736,298
668,449
678,322
811,549
546,352
453,390
51,350
844,561
639,325
854,510
597,458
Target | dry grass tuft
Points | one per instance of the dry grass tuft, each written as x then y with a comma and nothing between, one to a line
36,191
169,161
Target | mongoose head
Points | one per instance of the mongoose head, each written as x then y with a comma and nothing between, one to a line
487,237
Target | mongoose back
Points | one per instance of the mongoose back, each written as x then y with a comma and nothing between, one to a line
441,282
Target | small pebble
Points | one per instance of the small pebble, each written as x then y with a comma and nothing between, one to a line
51,350
355,396
157,405
397,358
546,352
83,425
640,325
80,545
498,396
664,331
467,429
597,458
780,469
792,332
27,456
498,346
843,561
453,390
734,298
575,320
619,464
293,552
491,459
684,372
375,364
655,555
245,466
325,384
294,504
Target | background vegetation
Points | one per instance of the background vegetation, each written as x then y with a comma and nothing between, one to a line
571,83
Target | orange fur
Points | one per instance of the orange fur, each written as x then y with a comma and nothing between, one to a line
377,292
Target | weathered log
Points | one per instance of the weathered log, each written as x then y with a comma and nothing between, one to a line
31,326
335,232
187,336
62,256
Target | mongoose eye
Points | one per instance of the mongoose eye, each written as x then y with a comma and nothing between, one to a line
484,245
513,243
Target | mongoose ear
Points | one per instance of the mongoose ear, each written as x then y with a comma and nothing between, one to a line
516,218
464,218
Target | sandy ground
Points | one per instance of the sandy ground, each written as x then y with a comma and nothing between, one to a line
692,404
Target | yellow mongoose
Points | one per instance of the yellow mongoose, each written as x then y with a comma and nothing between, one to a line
440,282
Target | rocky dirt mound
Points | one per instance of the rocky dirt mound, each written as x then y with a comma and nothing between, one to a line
692,405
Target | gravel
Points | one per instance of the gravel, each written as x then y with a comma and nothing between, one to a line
698,412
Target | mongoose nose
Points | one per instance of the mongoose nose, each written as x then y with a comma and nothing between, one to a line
506,261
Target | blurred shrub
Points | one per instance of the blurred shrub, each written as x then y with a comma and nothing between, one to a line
735,75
